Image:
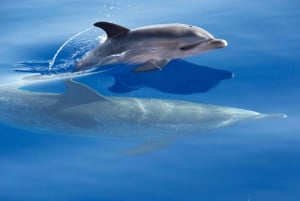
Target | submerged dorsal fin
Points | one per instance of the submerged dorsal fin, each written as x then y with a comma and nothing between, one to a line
82,93
112,30
77,94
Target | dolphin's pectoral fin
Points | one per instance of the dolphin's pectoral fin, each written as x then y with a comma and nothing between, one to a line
151,65
112,30
150,145
77,94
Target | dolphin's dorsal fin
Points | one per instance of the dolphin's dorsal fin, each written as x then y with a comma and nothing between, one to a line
112,30
81,92
77,94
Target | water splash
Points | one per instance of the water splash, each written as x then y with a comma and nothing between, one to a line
51,63
74,49
67,55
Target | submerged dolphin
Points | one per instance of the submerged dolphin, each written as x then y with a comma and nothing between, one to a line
151,46
83,111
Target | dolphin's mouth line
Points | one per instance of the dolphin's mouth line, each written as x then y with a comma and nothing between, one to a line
190,46
216,43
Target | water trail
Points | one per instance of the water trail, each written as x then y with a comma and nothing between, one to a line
51,63
67,55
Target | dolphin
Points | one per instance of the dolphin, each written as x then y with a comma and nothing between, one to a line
80,110
152,47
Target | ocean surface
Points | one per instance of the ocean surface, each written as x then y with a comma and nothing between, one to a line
249,161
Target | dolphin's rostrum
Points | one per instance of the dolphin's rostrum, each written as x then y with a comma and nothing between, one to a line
152,46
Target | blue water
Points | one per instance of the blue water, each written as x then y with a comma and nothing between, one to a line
257,160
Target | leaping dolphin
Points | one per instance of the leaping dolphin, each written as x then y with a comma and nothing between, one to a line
83,111
151,46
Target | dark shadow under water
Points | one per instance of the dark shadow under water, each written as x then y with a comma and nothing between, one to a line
178,77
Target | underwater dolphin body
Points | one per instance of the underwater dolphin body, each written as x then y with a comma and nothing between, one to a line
83,111
152,46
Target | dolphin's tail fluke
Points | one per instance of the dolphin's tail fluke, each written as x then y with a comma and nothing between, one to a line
268,116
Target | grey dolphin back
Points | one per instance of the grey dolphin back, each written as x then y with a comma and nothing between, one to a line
112,30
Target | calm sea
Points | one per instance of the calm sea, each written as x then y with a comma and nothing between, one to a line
251,161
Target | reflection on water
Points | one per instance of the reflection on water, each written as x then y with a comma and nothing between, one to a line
182,78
